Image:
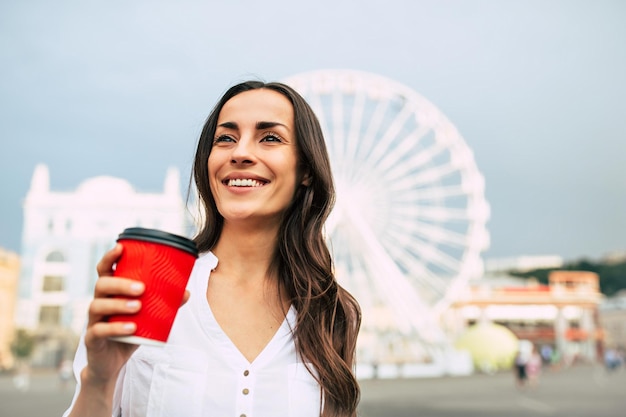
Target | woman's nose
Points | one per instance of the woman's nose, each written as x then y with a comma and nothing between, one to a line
243,152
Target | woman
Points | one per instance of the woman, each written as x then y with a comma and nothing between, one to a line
266,331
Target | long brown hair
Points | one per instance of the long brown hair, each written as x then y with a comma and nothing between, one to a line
328,317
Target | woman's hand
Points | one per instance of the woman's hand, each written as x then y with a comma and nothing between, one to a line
112,295
106,357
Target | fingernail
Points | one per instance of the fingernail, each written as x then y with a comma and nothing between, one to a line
129,327
132,304
136,287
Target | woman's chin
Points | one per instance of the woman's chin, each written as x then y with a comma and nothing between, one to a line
247,216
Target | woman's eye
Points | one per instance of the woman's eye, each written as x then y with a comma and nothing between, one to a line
223,139
271,137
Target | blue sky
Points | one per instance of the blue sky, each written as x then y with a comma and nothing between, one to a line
536,88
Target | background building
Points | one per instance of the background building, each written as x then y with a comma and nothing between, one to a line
64,236
562,315
613,320
9,273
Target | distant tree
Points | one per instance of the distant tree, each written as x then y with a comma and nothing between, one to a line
23,344
612,275
612,278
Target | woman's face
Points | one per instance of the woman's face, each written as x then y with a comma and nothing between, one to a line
254,159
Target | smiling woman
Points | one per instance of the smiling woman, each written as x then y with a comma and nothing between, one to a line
266,330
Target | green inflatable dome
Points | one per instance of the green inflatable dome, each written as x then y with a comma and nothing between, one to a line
492,346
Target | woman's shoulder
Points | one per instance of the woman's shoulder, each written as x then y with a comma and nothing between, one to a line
202,268
206,260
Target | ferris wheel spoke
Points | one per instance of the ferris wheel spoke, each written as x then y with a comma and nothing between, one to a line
425,177
374,250
454,235
429,233
337,116
352,273
415,268
443,236
428,290
368,140
438,257
423,246
398,156
386,140
418,195
403,225
439,214
411,144
415,162
399,243
435,173
356,120
443,214
410,314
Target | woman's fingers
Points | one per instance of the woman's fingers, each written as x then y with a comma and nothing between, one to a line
109,306
103,307
105,266
101,330
114,295
108,286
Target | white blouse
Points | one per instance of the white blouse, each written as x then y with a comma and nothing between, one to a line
200,372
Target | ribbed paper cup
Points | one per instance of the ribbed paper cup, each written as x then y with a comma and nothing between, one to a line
163,262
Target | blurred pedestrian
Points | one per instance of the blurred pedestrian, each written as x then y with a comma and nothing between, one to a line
555,360
533,368
521,377
612,360
65,373
546,355
21,379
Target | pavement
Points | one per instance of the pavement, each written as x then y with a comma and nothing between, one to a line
579,391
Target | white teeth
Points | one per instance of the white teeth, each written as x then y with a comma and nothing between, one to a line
244,183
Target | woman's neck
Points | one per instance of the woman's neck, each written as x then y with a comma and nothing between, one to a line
244,259
245,253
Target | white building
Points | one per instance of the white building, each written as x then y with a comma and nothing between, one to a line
522,263
64,236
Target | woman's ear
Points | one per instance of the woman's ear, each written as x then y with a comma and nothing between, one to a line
306,179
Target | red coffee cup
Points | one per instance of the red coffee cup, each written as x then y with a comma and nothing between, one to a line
163,262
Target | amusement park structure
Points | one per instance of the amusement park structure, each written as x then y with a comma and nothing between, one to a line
409,223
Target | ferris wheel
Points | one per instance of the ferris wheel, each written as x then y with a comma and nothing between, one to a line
409,222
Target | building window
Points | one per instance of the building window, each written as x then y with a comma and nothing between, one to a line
50,315
52,283
55,256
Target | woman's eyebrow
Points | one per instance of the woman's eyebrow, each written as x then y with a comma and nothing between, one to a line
268,125
259,125
228,125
